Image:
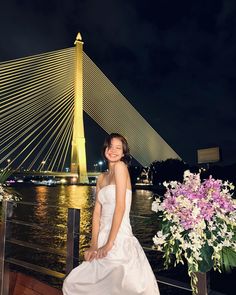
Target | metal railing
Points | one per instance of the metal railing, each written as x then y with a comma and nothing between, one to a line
72,244
71,253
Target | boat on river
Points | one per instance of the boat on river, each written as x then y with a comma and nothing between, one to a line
47,182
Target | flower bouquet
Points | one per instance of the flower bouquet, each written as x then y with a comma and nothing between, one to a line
198,224
4,194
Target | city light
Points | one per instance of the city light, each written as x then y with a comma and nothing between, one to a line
100,163
74,179
95,167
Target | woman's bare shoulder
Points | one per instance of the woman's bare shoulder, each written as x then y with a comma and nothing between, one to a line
120,168
121,165
101,178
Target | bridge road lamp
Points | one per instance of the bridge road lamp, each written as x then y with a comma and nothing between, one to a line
43,164
8,163
78,155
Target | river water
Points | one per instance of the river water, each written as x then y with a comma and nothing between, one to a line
52,222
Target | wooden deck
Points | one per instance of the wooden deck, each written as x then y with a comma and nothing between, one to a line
21,284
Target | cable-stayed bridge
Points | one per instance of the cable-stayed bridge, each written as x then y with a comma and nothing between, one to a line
42,99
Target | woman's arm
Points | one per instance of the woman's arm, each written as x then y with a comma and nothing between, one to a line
91,253
121,176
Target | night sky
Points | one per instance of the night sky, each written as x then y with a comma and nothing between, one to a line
175,61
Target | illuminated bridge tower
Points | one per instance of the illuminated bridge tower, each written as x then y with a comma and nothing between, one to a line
78,154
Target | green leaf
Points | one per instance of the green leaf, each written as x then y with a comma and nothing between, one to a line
207,263
176,246
228,259
234,231
208,234
166,227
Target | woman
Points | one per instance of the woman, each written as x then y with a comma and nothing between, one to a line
115,263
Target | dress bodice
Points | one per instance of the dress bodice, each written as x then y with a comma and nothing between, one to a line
107,198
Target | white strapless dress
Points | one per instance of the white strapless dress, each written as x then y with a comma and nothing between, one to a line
125,270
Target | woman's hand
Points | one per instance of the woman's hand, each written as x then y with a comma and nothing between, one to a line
91,253
102,252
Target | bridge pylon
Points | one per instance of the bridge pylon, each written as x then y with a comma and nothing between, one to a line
78,153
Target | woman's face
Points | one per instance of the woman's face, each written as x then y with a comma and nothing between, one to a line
114,152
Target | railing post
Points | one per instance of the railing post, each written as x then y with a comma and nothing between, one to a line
203,283
2,245
7,210
73,237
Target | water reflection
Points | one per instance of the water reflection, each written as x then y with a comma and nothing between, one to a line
41,211
64,197
52,221
141,202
